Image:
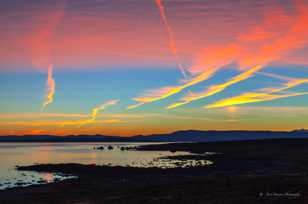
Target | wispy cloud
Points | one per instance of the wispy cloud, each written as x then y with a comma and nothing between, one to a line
172,42
267,94
94,114
54,123
51,87
215,88
42,115
280,34
166,92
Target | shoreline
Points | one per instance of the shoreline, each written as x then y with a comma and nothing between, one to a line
243,172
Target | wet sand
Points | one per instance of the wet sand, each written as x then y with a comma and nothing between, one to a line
264,171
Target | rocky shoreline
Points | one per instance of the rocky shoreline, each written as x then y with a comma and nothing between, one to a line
264,171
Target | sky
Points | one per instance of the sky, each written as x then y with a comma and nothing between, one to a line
128,67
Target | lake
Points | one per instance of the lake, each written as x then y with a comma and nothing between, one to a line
21,154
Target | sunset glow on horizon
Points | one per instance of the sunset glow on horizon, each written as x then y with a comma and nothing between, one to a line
144,67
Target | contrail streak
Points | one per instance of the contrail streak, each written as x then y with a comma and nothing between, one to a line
253,97
169,91
51,86
277,44
172,43
216,88
102,107
276,76
94,113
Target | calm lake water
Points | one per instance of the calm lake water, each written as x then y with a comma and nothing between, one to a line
20,154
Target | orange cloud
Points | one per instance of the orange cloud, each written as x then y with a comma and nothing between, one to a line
215,88
277,37
253,97
94,113
281,34
29,116
42,115
42,40
119,33
166,92
53,123
83,122
102,107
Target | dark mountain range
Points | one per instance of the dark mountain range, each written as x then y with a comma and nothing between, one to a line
178,136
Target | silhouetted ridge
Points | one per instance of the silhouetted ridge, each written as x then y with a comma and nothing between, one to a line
178,136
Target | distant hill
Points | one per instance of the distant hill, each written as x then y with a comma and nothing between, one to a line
178,136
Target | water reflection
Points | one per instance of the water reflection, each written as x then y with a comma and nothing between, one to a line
21,154
48,177
175,163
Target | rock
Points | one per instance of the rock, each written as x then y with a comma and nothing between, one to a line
41,181
172,150
20,183
100,148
